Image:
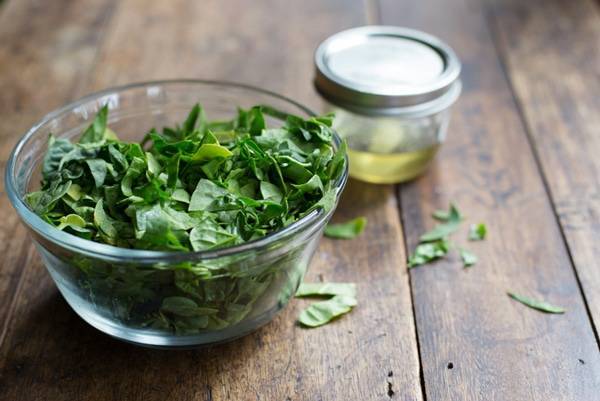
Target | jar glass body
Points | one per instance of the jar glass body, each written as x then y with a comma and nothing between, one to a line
385,149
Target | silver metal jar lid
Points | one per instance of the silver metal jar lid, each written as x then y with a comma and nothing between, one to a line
386,70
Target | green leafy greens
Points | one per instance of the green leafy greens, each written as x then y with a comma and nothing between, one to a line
197,186
468,257
451,221
238,185
348,230
342,300
477,232
435,244
322,312
452,214
538,305
428,252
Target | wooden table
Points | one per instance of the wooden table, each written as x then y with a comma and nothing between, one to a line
522,155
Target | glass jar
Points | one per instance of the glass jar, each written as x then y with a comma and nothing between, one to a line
391,90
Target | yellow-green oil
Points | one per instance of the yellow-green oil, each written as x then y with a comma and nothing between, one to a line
390,149
388,168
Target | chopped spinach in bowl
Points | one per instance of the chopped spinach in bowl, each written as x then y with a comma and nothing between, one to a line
199,186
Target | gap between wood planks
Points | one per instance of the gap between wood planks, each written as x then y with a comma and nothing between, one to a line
408,252
373,10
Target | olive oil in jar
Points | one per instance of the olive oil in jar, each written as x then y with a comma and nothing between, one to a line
389,168
383,150
391,90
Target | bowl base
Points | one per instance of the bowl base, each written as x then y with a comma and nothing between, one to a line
161,340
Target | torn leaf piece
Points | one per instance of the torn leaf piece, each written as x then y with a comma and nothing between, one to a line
428,252
468,257
477,232
350,229
542,306
323,312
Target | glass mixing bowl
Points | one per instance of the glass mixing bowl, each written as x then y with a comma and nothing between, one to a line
121,291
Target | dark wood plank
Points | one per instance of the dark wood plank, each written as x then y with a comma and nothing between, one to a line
499,349
554,69
369,355
44,52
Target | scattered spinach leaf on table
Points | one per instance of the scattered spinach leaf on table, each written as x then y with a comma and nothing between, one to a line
342,300
477,232
451,221
452,214
434,244
322,312
534,304
468,257
428,252
348,230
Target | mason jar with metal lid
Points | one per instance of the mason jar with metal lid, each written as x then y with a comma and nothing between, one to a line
391,89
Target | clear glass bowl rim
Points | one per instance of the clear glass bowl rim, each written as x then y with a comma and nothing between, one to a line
104,251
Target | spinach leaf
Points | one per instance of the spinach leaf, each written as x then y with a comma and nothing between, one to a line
97,131
44,201
468,258
71,220
257,121
348,230
109,228
452,214
326,203
155,229
98,169
189,125
209,151
270,192
313,185
210,235
137,166
440,231
206,195
452,219
76,225
320,313
428,252
477,232
534,304
182,306
57,149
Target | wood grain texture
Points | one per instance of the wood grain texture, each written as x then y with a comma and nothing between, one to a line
371,354
475,342
44,53
554,69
